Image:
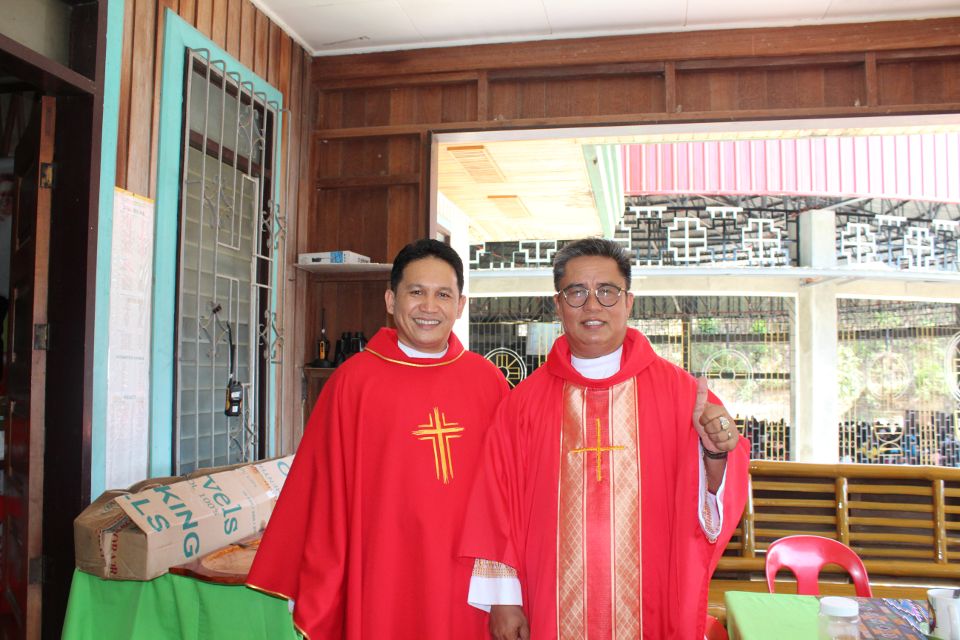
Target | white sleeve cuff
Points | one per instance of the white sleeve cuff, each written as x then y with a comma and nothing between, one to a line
485,592
710,507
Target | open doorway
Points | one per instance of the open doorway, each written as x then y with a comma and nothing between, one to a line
731,272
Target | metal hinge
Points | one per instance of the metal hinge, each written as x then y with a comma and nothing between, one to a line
47,175
37,570
41,337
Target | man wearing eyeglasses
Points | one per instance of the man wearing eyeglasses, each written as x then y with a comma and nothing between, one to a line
611,480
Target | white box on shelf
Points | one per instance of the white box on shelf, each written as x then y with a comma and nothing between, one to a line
333,257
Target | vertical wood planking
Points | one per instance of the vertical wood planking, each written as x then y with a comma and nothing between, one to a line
483,96
162,6
234,25
670,86
261,33
204,21
247,33
141,98
126,89
218,26
870,77
188,11
288,417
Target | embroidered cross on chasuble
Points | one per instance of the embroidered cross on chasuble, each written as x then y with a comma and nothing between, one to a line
598,560
440,432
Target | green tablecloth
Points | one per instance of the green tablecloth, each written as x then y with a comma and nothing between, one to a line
765,616
752,616
172,607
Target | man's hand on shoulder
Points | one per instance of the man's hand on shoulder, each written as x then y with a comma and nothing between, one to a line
508,622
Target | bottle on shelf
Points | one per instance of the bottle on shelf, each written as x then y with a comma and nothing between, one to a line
343,349
323,346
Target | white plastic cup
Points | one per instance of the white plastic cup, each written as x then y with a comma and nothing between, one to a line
944,614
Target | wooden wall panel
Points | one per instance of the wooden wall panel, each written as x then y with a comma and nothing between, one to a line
234,27
188,11
204,22
926,81
756,89
126,88
218,26
261,40
247,36
139,154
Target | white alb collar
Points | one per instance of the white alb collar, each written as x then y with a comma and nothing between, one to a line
598,368
413,353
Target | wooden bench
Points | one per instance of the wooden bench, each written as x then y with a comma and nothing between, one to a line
903,521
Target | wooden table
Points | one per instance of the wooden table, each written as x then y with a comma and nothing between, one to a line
763,616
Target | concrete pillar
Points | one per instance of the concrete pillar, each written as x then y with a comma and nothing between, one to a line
816,437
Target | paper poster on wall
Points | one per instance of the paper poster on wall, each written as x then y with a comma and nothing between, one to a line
128,351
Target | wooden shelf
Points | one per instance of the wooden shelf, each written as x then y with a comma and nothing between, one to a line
332,272
318,372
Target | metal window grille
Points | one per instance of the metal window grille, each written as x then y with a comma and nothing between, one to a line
898,367
230,234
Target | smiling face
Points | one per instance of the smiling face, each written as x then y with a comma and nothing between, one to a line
594,330
426,304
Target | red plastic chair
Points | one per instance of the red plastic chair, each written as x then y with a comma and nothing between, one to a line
714,630
805,556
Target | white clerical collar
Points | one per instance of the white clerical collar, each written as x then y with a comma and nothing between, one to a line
413,353
598,368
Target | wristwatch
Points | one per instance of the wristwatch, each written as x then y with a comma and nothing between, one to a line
722,455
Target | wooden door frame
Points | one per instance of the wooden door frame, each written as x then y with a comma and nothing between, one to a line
79,90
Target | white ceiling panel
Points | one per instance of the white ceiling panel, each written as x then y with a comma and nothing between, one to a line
462,20
332,27
708,13
614,16
357,25
904,9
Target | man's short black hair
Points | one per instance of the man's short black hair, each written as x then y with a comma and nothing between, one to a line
425,248
600,247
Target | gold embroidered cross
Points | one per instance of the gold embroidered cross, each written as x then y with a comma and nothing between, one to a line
440,432
598,450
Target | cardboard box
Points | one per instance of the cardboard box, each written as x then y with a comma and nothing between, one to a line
139,536
333,257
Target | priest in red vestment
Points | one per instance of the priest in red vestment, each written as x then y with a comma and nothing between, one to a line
363,537
609,486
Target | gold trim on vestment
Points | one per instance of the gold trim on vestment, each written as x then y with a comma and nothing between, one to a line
416,364
625,513
277,594
571,530
492,569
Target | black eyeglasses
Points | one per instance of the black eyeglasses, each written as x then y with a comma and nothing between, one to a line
576,296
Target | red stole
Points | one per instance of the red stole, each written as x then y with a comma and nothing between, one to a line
598,583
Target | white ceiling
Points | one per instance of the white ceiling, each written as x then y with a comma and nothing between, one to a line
334,27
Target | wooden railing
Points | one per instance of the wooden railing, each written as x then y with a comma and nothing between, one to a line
903,521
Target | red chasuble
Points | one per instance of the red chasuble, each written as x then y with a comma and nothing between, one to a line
364,534
589,489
